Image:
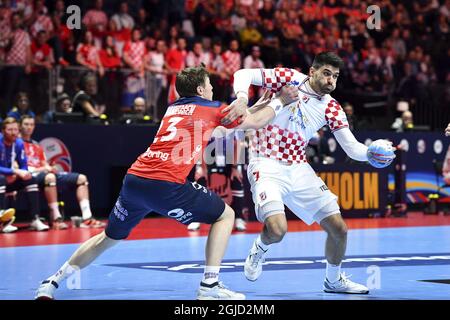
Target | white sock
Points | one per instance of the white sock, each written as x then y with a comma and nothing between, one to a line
333,272
85,209
261,244
211,274
65,271
54,210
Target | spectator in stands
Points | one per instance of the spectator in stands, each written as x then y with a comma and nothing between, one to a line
52,181
109,57
351,118
233,62
42,60
253,61
122,19
63,105
217,74
138,113
17,58
175,62
21,107
14,179
155,64
197,56
40,20
83,101
134,53
96,17
87,54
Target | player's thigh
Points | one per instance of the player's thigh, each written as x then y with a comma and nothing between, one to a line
133,204
267,187
309,195
191,202
67,181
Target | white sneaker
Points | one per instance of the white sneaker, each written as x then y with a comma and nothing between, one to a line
9,228
46,290
38,225
253,263
240,224
344,285
193,226
217,291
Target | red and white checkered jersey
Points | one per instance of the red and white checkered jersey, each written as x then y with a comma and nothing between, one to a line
193,60
287,135
42,22
232,61
89,53
136,52
17,55
94,17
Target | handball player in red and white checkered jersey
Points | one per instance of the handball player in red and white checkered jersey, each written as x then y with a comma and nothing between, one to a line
278,170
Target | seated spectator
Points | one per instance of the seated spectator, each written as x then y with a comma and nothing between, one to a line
63,105
51,181
22,107
83,101
138,113
404,123
14,179
351,118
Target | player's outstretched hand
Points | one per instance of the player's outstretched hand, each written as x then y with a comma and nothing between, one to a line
447,131
381,153
238,108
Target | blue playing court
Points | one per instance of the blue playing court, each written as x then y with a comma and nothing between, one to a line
405,262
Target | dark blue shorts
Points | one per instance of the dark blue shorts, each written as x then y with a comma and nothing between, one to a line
186,203
65,181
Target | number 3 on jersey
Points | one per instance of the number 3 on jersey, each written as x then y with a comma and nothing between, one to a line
171,129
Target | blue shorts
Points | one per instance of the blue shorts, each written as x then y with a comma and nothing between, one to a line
186,203
65,181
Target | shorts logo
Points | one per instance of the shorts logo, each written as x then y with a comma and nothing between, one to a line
119,211
179,215
256,174
263,196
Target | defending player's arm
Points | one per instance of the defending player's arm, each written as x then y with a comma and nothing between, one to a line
259,116
272,79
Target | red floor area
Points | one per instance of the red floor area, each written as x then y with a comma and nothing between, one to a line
155,228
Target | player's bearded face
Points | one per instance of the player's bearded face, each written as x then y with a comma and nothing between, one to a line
325,79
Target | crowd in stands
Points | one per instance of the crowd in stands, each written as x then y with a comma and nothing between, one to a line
408,51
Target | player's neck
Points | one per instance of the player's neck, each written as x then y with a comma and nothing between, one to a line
311,85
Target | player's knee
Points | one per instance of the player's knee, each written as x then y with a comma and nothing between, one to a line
228,214
82,180
50,178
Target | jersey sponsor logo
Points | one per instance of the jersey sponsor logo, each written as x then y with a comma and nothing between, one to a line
164,156
297,116
299,263
57,154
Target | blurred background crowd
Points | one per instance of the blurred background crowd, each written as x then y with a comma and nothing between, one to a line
129,49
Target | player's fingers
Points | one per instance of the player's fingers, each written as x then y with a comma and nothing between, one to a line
224,110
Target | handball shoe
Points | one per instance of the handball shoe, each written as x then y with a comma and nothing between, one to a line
217,291
253,263
344,285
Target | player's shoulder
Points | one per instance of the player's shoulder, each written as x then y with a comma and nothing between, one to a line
329,102
198,101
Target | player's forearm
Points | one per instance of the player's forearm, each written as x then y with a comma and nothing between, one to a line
351,146
261,117
244,78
